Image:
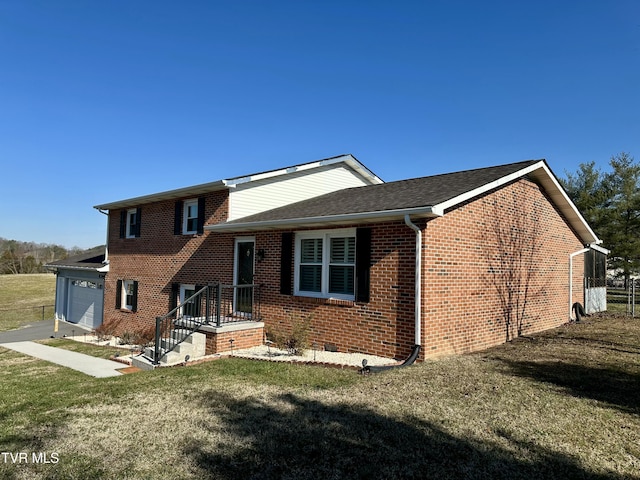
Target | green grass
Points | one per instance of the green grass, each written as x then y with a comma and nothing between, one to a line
22,298
563,404
86,348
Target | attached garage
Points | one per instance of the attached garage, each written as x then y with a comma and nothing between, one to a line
85,302
80,289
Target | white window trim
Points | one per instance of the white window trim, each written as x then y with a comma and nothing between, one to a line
125,284
185,219
129,233
326,235
182,297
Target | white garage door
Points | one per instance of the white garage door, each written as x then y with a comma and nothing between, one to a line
85,303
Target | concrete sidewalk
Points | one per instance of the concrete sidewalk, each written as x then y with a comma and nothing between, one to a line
96,367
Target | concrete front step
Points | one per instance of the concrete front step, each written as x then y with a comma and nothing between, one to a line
193,346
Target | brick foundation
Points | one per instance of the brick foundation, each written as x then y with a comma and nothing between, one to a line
244,336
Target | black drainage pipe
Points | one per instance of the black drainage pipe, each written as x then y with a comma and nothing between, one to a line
376,369
578,311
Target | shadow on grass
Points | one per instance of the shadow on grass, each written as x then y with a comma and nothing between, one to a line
293,437
606,345
615,387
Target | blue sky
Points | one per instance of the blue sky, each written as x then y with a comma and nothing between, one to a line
101,101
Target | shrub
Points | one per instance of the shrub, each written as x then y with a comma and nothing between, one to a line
127,338
145,336
105,331
295,340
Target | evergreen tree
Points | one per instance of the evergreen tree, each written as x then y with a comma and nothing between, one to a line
621,231
610,202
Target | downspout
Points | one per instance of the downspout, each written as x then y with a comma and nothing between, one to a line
579,252
417,310
418,280
106,245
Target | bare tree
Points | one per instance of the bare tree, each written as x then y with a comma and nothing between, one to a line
514,226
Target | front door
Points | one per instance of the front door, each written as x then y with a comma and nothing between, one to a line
188,309
243,295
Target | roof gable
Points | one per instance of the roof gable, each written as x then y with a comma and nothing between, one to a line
258,178
420,197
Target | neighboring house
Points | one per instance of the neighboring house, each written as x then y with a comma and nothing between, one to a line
454,263
80,288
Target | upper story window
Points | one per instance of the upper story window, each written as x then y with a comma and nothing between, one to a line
189,216
325,264
130,223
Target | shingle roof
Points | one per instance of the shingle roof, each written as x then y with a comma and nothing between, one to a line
391,196
91,260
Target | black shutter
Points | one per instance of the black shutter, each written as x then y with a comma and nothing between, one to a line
138,221
363,264
175,293
201,215
134,302
177,219
123,223
119,294
286,257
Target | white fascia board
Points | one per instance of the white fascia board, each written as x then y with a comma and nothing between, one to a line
367,217
348,159
362,170
452,202
167,195
567,207
55,268
600,249
541,172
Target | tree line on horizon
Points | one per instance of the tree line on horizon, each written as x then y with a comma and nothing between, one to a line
29,257
610,203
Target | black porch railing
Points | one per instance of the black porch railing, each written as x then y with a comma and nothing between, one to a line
214,305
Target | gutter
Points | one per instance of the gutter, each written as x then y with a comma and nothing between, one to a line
417,310
325,219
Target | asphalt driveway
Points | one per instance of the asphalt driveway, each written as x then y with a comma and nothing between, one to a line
41,330
22,340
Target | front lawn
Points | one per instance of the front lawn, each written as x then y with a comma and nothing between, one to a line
26,298
563,404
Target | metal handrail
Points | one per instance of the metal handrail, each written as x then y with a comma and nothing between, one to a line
219,303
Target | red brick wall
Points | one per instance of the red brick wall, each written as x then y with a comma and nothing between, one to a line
220,342
383,326
461,308
159,258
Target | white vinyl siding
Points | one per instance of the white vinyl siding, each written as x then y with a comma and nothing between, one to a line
259,196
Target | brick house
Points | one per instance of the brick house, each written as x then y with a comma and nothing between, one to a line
453,263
